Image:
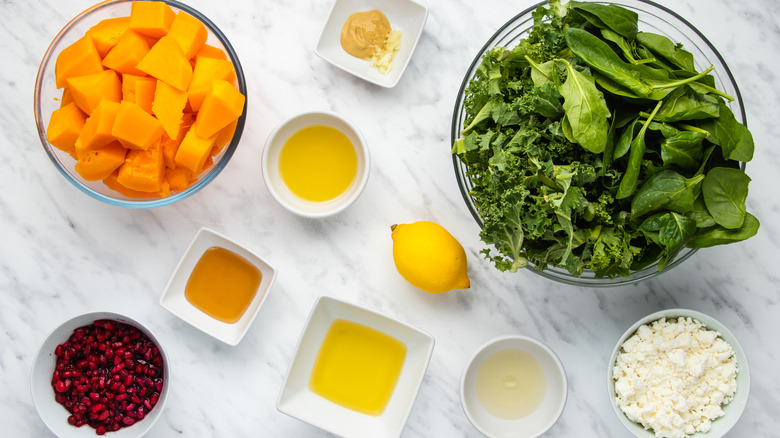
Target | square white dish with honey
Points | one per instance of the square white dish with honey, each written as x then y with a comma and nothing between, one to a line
227,324
333,328
405,15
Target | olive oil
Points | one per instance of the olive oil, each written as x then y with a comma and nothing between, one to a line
510,384
318,163
222,284
357,367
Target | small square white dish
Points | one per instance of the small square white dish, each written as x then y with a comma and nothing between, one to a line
174,300
298,401
405,15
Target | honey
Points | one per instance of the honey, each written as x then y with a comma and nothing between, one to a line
357,367
222,284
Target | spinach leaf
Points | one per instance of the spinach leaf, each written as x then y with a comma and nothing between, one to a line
624,142
636,155
599,56
685,104
718,235
666,189
586,110
732,136
616,18
663,46
725,190
683,149
700,214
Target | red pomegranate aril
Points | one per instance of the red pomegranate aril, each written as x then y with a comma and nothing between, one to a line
100,369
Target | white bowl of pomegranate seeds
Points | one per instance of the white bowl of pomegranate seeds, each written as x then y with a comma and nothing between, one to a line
100,373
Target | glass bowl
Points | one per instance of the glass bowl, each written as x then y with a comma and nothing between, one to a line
652,18
47,99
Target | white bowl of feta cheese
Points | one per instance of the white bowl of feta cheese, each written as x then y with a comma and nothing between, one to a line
678,373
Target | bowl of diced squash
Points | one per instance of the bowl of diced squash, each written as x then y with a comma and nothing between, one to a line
140,104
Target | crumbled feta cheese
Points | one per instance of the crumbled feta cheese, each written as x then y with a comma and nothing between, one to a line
673,377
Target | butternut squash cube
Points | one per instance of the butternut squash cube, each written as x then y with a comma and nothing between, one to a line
111,183
64,127
152,19
135,128
189,32
224,137
168,106
98,127
66,98
87,91
139,90
205,71
78,59
143,170
166,62
127,53
222,105
179,178
99,164
211,52
107,33
171,144
194,150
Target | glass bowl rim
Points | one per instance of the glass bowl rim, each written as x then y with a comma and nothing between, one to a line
566,278
154,202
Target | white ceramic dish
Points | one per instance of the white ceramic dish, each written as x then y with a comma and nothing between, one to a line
733,410
54,415
273,179
298,401
174,301
406,15
537,422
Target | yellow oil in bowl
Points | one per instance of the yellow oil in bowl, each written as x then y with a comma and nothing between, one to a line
318,163
357,367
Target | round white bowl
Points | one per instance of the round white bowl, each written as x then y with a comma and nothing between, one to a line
273,179
53,414
733,410
536,423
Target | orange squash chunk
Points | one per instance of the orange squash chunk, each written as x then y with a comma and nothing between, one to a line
179,178
205,71
189,32
194,150
211,52
224,137
112,183
87,91
166,62
171,144
135,128
139,90
64,127
78,59
66,98
107,33
127,53
143,170
96,132
152,19
168,106
222,105
99,164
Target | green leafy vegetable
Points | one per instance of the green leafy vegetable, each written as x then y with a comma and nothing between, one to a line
592,146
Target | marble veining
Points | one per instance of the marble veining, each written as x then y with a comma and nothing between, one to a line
64,253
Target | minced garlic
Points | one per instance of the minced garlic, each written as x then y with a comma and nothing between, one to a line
367,35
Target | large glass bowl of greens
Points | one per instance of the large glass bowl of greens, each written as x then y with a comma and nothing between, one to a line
596,155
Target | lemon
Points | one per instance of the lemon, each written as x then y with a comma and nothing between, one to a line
427,256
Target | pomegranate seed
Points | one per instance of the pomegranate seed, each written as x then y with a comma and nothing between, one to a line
108,375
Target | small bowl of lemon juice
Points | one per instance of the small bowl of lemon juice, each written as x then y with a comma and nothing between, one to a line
513,387
316,163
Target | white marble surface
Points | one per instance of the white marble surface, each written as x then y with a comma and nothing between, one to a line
64,253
